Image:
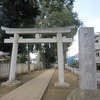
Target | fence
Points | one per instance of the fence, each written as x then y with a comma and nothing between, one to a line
21,68
75,70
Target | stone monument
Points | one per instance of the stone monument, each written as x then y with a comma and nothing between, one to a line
87,62
87,76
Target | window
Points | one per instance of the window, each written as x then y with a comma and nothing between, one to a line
96,41
97,54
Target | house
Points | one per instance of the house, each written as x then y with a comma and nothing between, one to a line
97,50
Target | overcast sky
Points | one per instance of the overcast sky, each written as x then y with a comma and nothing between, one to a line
89,12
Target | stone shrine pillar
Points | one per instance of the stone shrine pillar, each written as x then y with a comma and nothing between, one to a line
12,75
87,61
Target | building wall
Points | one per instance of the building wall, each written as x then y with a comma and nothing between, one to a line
97,49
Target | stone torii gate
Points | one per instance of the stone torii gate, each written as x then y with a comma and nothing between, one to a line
59,40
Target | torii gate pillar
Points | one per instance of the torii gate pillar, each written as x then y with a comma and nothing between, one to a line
60,58
61,81
12,75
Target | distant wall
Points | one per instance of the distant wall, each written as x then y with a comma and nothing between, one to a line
21,68
4,69
75,70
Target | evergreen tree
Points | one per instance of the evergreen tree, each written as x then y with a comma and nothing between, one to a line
17,14
56,13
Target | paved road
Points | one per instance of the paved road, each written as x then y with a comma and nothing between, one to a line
32,90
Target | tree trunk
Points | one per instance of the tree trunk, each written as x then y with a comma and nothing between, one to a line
28,59
38,60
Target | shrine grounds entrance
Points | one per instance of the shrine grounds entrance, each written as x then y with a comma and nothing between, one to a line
59,39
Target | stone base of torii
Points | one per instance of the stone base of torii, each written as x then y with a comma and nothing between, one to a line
10,84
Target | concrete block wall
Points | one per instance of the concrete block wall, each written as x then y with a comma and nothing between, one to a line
4,69
20,69
75,70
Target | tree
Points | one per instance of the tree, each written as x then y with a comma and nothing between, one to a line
29,49
17,14
56,13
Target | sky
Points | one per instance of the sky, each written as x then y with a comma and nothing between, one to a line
33,55
89,12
